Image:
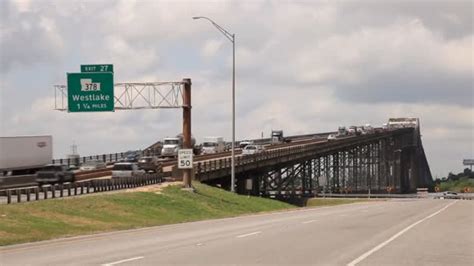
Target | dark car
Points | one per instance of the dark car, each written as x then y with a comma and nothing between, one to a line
53,173
131,157
149,163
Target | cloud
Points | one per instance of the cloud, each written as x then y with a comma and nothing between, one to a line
27,37
211,47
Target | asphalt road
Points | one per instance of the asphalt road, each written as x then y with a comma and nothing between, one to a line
395,232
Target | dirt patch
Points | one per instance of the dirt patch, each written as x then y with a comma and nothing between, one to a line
155,188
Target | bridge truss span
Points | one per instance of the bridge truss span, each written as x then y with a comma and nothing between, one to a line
383,162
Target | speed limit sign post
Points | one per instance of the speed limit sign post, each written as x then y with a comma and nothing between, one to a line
185,159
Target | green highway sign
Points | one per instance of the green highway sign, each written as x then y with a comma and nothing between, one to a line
90,92
97,68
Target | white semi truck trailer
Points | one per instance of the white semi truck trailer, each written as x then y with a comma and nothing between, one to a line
25,155
212,145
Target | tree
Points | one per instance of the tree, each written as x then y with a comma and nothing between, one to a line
452,177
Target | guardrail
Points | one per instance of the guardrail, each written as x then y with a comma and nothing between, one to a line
396,196
106,158
18,195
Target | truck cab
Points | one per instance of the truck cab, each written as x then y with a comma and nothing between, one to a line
342,132
212,145
171,147
277,136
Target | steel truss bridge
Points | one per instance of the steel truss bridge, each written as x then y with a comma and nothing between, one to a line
389,161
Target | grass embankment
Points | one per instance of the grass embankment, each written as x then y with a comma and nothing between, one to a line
321,202
49,219
458,185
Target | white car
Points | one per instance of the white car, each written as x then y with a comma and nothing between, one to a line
92,165
252,149
126,170
332,137
244,143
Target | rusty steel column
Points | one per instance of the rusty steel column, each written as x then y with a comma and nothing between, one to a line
187,173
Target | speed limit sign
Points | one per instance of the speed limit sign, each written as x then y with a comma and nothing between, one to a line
185,159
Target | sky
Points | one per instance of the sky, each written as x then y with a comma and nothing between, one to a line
301,66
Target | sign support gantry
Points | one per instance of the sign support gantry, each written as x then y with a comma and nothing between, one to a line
147,95
137,95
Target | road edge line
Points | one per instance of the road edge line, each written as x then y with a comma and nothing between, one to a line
386,242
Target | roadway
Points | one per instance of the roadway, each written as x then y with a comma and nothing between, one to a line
394,232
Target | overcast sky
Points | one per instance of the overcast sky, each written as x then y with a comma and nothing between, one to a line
301,66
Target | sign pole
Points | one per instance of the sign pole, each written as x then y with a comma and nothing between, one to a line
187,173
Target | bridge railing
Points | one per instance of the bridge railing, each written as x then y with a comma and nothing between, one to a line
287,154
106,158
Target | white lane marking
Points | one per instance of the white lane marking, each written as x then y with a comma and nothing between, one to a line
249,234
122,261
370,252
310,221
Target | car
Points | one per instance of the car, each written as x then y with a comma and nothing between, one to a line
449,193
149,163
92,165
73,167
252,149
126,169
130,156
352,130
332,137
54,173
244,143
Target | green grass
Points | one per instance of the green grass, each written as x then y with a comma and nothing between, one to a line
457,186
50,219
320,202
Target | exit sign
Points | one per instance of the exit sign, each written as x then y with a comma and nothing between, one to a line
90,92
97,68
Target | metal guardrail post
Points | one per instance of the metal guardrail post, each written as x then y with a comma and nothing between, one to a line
9,196
36,193
61,192
18,195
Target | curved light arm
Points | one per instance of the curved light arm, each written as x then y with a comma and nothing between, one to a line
227,34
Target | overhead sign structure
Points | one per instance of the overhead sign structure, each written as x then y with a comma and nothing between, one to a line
468,162
97,68
90,92
185,159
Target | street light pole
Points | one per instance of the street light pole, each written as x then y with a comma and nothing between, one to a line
230,37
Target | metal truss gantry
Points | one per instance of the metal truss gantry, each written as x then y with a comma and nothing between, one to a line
133,96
